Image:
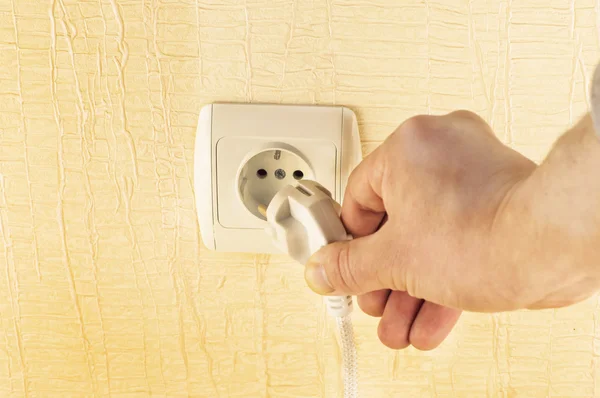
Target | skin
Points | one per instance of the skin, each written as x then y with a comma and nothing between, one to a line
447,218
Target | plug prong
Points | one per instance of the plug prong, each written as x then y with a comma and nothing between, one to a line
262,209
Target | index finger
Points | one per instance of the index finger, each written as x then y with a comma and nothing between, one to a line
363,209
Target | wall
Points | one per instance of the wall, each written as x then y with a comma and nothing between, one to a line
105,288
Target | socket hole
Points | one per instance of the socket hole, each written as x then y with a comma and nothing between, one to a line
261,173
298,175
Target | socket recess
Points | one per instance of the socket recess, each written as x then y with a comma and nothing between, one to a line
245,153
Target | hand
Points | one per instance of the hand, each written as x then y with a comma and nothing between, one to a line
440,213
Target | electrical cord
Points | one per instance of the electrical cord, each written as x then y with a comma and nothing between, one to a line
301,219
349,364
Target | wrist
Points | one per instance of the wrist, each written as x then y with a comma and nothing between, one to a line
560,207
595,101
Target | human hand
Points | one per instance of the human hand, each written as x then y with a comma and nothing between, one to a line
440,217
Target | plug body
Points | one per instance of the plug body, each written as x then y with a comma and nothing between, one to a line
302,218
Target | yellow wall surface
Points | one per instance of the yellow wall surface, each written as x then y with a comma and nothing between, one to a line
105,287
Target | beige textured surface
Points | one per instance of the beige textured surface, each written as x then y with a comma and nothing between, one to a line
105,289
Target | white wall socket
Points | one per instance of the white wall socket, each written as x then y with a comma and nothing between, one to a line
245,153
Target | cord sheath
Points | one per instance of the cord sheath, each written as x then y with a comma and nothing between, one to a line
349,364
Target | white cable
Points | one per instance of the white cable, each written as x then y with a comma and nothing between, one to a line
341,307
302,219
349,364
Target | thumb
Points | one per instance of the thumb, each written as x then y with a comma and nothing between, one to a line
352,267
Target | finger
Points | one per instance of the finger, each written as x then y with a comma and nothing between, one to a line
398,316
432,325
373,303
363,208
466,119
355,267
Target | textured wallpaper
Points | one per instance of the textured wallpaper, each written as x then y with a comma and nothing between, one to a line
105,287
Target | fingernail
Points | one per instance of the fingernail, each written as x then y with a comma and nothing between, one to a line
316,278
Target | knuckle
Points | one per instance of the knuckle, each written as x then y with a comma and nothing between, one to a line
464,114
516,294
345,270
468,119
407,282
417,124
355,180
420,139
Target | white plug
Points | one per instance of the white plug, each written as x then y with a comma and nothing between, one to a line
302,218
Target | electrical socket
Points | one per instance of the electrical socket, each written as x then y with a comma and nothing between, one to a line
245,153
265,172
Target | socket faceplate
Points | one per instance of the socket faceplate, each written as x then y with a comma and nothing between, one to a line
229,136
